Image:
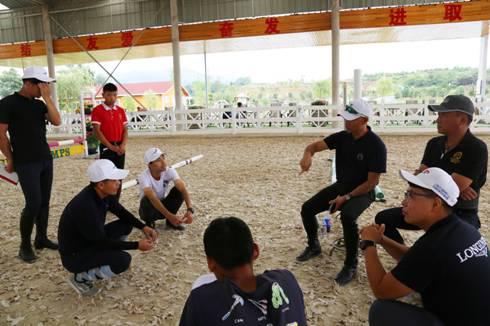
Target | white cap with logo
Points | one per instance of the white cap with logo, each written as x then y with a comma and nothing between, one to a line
437,180
38,73
105,170
356,109
152,154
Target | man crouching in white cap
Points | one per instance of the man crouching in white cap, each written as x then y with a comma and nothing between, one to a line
156,202
89,248
448,265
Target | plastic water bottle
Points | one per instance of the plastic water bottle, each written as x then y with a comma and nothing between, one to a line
326,225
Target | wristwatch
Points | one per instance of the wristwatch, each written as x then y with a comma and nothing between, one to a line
348,196
190,209
364,244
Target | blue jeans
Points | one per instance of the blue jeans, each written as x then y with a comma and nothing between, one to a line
36,179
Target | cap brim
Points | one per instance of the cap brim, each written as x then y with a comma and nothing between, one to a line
349,116
435,108
407,176
46,79
442,109
118,174
43,79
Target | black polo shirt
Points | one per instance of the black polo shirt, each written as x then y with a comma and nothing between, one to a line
82,223
354,158
277,300
449,266
26,119
469,158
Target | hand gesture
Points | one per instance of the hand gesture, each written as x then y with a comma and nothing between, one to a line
175,219
188,218
337,203
305,163
121,149
45,90
145,244
373,232
9,167
468,194
150,233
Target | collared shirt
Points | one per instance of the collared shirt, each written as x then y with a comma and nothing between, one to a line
449,266
469,158
82,223
26,119
112,121
355,158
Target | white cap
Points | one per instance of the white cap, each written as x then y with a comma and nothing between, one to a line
105,170
152,154
356,109
437,180
38,73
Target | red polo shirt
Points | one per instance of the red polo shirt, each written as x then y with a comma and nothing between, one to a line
111,120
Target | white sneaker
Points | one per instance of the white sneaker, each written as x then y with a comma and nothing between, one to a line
85,288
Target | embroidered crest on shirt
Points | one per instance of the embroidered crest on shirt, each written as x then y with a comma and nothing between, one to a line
456,158
360,156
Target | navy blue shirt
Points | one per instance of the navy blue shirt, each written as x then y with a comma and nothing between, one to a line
469,158
26,119
354,158
449,266
278,300
82,223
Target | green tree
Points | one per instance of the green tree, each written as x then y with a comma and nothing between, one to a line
129,104
243,81
322,89
385,87
70,83
198,92
150,100
10,81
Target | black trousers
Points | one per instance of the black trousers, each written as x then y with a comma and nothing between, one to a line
349,213
172,203
118,160
393,219
106,153
92,257
36,179
392,312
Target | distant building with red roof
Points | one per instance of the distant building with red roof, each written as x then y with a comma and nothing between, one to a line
163,91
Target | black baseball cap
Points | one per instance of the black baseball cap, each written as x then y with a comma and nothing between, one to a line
455,103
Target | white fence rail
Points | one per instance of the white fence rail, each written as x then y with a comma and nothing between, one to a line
293,119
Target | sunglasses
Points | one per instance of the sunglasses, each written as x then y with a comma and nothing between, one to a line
350,109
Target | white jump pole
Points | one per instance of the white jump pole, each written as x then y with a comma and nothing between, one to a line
84,127
61,143
177,165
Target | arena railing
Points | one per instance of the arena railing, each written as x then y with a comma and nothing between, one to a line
284,119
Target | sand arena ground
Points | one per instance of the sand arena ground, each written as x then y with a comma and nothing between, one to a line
252,178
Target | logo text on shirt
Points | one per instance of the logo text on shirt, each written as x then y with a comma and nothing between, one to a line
478,249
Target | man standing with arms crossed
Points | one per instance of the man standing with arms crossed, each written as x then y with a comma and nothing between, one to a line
27,152
459,153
